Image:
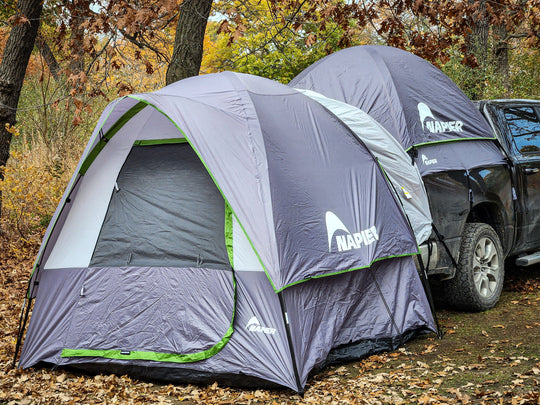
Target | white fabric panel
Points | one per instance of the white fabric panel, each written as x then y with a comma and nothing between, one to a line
404,176
75,244
244,258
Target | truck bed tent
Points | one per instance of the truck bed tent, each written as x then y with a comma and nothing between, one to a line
225,227
415,101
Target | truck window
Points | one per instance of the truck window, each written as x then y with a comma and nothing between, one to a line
524,125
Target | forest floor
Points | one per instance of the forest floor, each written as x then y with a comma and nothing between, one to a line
491,357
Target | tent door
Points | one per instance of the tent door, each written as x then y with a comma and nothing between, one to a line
160,285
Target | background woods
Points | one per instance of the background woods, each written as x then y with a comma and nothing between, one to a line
63,60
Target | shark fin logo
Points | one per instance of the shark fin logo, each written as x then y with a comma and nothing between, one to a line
333,224
431,124
347,240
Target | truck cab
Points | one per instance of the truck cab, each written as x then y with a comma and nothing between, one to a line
516,124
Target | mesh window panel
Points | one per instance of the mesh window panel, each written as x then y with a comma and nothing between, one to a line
164,211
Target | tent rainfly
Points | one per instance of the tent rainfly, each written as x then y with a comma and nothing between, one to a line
229,228
415,101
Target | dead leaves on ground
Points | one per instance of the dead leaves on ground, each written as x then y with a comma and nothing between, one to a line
425,371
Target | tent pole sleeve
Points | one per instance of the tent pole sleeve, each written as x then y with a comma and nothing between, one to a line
427,290
300,389
27,303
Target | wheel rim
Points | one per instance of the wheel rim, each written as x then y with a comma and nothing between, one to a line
486,267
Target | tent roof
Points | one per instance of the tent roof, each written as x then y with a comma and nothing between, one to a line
281,161
400,170
415,101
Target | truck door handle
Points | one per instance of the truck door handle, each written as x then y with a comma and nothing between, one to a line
531,170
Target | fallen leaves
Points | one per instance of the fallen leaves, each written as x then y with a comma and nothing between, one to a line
478,361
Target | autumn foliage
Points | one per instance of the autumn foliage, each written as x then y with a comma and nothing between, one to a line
109,49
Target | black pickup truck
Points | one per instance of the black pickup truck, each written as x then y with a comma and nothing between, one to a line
494,215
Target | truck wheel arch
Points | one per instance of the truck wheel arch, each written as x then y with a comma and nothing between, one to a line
492,214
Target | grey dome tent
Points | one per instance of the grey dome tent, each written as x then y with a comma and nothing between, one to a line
225,227
415,101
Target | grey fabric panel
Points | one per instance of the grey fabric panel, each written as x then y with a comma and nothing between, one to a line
167,212
259,352
51,316
465,155
316,166
152,309
148,309
389,84
327,313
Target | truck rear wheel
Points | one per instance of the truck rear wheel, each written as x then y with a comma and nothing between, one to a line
479,277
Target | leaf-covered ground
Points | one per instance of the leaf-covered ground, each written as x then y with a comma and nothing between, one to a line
491,357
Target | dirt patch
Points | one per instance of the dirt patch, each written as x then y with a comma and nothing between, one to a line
488,357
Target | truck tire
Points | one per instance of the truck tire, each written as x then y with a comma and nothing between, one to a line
479,277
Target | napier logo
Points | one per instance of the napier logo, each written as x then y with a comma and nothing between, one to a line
348,240
431,124
427,161
254,325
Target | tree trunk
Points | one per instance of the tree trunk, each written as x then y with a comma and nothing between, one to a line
501,56
48,56
477,40
188,42
12,70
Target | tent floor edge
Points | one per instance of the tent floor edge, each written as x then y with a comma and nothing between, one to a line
300,389
167,374
364,348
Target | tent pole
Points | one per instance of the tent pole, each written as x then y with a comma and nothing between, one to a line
427,290
446,248
27,303
289,340
394,324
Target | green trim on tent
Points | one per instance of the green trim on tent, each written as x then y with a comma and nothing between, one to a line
419,145
229,232
147,142
109,134
163,357
345,271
